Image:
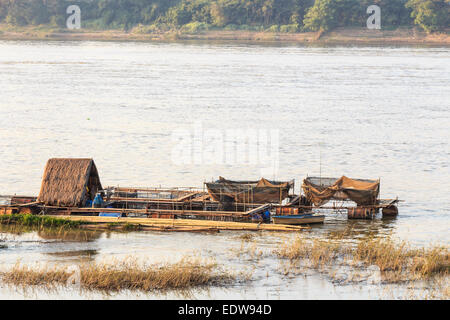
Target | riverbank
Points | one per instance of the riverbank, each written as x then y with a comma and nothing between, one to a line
340,36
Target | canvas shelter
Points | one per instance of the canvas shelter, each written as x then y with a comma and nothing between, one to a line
321,190
260,191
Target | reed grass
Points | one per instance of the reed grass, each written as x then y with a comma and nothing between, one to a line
123,275
384,253
2,240
316,252
60,233
246,236
397,261
128,275
32,220
432,261
389,255
25,275
121,226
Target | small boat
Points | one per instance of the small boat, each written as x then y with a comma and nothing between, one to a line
299,219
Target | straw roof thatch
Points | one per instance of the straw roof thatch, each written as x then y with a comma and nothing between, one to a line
69,182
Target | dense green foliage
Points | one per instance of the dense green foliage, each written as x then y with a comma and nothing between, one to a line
195,15
431,15
328,14
38,221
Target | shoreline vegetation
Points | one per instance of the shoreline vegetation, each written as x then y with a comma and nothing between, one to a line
396,261
292,21
338,36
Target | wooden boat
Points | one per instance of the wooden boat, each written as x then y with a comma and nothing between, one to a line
298,219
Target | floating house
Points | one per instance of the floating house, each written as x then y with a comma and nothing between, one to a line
71,185
362,192
321,190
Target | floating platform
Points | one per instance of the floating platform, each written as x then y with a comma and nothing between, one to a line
185,224
72,188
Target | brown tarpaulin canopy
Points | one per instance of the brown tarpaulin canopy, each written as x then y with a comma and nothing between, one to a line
321,190
261,191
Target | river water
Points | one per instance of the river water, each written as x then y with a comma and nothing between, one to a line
363,112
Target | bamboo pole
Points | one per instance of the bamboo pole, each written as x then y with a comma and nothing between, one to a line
184,223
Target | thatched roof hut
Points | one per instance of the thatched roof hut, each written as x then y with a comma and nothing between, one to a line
69,182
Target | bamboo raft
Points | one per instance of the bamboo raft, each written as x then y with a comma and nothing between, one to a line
159,224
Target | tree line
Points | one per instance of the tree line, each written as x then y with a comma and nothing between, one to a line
261,15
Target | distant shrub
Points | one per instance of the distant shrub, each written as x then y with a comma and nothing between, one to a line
274,28
251,27
194,27
152,28
289,28
58,21
244,27
231,27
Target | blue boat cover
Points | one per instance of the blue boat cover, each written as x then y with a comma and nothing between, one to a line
110,214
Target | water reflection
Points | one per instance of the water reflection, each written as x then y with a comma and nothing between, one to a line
69,235
50,233
360,229
75,256
74,253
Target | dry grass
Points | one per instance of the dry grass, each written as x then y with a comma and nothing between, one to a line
397,261
2,242
432,261
129,275
384,253
24,275
249,250
400,257
317,253
246,236
125,275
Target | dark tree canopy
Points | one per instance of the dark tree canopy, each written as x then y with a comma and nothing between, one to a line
273,15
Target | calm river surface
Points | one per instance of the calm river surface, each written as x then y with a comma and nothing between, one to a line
364,112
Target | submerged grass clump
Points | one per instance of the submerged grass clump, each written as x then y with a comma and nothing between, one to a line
24,275
124,275
126,227
432,261
400,257
316,252
31,220
128,275
384,253
3,245
131,227
397,261
246,236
